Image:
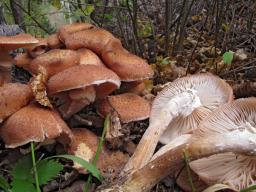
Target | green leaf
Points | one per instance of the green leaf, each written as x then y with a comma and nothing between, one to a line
228,57
23,169
86,165
4,184
89,9
56,4
48,169
249,188
22,186
165,61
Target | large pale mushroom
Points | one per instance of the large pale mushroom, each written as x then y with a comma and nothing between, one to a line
177,110
34,124
77,80
13,96
229,132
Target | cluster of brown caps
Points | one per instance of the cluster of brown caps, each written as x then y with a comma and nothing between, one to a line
197,119
71,69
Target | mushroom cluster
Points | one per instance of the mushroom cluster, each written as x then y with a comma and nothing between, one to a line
71,69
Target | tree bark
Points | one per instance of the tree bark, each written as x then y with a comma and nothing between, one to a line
2,19
17,13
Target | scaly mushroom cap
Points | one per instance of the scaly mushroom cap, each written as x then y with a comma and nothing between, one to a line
8,43
207,93
231,125
13,96
87,57
54,42
81,76
68,29
94,39
39,48
54,61
127,66
130,107
85,145
34,124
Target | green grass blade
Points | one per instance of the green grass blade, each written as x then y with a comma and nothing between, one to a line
86,165
249,188
4,184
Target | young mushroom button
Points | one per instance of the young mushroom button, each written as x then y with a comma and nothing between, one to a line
177,110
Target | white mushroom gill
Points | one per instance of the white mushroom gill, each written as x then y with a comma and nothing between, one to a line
237,171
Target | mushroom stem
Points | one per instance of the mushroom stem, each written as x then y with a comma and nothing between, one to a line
171,161
181,104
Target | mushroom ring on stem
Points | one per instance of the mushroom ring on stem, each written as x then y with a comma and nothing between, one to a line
177,110
230,131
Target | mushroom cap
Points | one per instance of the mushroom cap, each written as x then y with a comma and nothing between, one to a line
130,107
17,41
39,48
54,61
127,66
84,145
94,39
87,57
5,75
34,124
13,96
204,93
232,125
81,76
68,29
54,42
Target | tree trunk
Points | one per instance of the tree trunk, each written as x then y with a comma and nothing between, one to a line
2,19
17,13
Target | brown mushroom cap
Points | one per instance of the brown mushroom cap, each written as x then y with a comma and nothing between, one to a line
68,29
54,42
130,107
202,104
127,66
232,125
81,76
39,48
85,144
34,124
54,61
14,42
94,39
13,96
87,57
